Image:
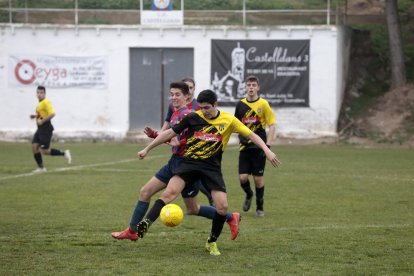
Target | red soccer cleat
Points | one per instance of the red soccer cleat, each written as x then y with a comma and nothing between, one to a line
234,225
127,234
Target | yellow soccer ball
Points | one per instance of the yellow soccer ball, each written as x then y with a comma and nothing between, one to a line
171,215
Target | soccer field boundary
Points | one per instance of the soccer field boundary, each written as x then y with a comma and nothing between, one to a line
81,167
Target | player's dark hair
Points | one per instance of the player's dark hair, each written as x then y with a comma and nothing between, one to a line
41,87
180,85
188,80
252,78
207,96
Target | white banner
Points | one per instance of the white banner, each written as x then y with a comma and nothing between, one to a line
162,18
58,71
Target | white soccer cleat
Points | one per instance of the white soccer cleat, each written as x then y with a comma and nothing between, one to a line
68,156
260,213
39,170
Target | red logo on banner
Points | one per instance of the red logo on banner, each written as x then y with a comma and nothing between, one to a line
25,71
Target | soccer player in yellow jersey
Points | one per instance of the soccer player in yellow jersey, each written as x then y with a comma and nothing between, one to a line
43,136
208,132
192,105
179,92
255,113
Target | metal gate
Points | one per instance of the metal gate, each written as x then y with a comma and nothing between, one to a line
151,72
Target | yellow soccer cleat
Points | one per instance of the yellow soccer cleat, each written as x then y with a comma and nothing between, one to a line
212,248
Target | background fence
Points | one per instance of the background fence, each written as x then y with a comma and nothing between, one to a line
72,12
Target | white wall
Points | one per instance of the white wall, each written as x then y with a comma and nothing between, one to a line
84,113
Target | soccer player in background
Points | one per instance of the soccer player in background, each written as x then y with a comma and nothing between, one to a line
193,106
208,132
43,135
255,113
179,92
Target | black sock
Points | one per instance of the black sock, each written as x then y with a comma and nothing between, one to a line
246,188
55,152
39,160
217,227
155,211
259,198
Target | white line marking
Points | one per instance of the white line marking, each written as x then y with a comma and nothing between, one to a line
80,167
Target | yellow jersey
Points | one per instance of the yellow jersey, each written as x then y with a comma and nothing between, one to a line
44,108
255,115
208,138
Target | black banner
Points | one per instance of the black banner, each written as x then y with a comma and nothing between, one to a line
282,67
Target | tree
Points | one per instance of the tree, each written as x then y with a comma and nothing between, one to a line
398,74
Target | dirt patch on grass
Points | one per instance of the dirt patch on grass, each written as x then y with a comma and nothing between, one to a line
392,110
390,119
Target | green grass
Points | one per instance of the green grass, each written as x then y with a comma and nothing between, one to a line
330,210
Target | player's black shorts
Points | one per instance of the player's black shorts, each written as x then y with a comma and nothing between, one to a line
43,136
192,170
252,161
167,172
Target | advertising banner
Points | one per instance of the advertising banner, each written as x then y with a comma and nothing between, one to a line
58,71
282,67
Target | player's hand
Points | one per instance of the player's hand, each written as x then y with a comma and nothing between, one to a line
273,158
33,116
150,132
141,154
39,121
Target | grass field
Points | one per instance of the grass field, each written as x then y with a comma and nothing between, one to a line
329,210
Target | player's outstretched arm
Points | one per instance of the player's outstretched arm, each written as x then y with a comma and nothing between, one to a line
270,155
161,138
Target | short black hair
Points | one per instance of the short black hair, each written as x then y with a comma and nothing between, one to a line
41,87
207,96
180,85
252,78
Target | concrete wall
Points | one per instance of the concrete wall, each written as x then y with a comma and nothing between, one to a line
103,113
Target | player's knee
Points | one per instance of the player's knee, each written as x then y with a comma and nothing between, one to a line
243,178
44,151
35,148
169,195
145,194
258,182
222,208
